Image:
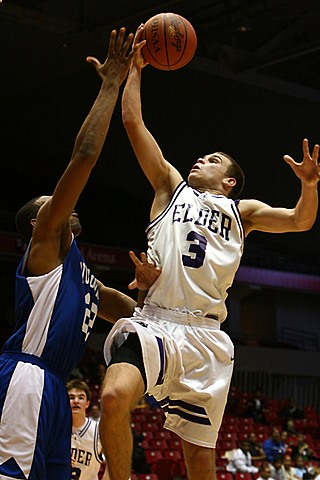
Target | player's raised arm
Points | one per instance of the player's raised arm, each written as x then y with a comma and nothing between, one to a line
260,216
52,229
161,174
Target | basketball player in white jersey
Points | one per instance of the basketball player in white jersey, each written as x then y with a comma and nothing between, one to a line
174,348
86,450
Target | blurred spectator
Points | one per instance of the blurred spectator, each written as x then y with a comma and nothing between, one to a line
289,426
264,472
316,475
277,469
240,459
301,447
257,407
255,448
102,368
95,413
300,469
291,410
288,468
285,440
273,446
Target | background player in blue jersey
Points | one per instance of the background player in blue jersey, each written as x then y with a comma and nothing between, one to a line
177,351
57,300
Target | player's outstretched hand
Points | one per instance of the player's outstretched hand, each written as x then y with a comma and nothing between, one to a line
146,272
308,171
117,64
138,44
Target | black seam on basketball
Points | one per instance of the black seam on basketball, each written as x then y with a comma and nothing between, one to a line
165,41
156,60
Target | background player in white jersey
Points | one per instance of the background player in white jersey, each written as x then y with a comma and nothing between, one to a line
86,449
180,355
57,300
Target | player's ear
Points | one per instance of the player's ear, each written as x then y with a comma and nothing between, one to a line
33,221
230,181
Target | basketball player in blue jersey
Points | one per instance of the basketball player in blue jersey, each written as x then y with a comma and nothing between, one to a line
57,300
174,348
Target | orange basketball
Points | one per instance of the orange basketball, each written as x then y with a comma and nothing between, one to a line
171,41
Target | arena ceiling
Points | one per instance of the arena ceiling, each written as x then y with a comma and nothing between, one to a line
276,39
252,89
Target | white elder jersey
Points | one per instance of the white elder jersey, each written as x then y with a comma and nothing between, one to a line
198,241
86,452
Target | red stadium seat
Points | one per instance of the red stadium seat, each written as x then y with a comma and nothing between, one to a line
152,456
163,434
243,476
174,455
229,436
224,476
180,469
175,444
227,445
157,444
147,435
149,426
148,476
164,469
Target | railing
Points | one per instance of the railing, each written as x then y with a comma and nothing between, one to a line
305,390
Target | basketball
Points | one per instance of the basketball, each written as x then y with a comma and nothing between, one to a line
171,41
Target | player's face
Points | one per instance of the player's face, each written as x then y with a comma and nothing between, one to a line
74,219
209,172
75,224
78,401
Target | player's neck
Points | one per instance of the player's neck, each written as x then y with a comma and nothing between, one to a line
212,191
79,422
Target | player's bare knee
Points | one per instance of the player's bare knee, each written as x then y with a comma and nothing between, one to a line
115,399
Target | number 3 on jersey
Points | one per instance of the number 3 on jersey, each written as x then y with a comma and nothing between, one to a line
197,249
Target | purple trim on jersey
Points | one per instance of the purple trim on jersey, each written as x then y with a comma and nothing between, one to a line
85,428
189,416
186,405
97,454
176,193
234,208
172,407
161,351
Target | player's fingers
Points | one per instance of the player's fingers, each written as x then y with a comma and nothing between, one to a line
134,258
127,44
132,285
119,40
305,148
112,42
94,61
315,153
144,258
290,161
138,33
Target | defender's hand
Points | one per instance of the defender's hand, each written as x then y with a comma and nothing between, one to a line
146,272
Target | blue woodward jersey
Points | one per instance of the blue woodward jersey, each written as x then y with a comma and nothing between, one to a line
55,312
